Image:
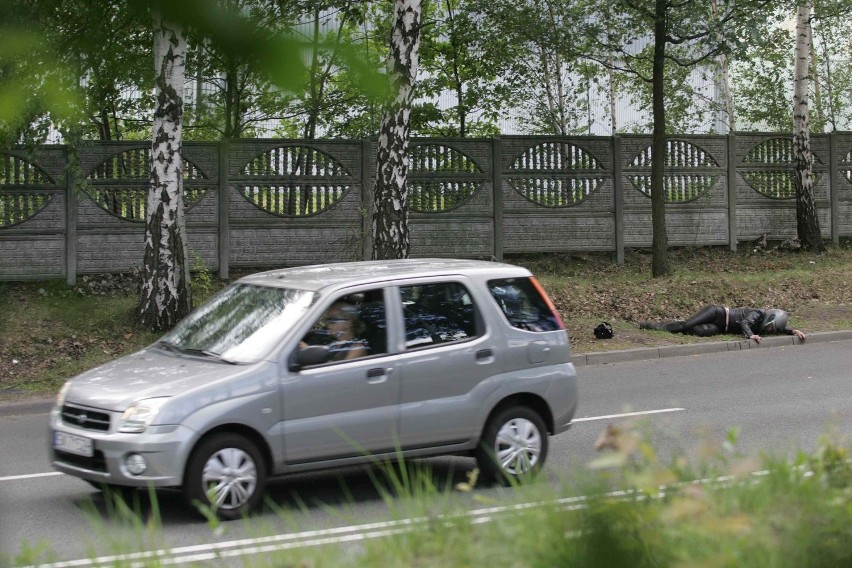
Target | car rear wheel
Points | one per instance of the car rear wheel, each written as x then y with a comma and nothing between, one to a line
227,474
513,445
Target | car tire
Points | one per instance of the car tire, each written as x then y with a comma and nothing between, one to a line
230,469
513,446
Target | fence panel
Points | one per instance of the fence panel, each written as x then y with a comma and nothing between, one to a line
294,202
696,190
557,194
262,203
450,198
33,213
766,203
843,184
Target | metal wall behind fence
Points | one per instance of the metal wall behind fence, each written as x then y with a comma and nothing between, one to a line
261,203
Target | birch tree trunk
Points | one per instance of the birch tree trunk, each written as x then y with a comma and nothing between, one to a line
390,217
165,297
724,72
807,221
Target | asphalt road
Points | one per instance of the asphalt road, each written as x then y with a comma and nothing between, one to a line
782,399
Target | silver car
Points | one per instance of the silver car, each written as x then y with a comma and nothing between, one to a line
324,366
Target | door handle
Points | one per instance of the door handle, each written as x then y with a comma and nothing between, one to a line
376,376
484,354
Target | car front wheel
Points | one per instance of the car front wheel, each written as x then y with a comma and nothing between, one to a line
226,473
513,445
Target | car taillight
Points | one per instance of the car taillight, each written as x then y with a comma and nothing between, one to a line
537,285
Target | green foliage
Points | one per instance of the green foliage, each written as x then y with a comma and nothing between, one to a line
302,68
462,55
34,80
762,92
203,284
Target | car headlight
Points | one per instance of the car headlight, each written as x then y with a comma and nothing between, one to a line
139,415
60,398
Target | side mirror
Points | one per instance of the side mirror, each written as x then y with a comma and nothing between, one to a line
310,355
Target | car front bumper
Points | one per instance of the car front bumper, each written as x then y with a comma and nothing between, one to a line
164,449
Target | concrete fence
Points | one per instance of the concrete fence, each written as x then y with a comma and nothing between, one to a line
262,203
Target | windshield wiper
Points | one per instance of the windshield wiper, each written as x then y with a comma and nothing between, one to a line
169,346
208,354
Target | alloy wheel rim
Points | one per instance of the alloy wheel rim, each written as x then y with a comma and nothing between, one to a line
518,446
229,478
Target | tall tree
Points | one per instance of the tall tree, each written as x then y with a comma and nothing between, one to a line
546,62
461,61
685,34
166,293
390,218
831,62
807,221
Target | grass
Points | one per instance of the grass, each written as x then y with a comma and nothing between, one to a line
49,331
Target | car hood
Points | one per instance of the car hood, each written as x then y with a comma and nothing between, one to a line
145,374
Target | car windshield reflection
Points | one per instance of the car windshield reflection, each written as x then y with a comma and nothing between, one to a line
241,324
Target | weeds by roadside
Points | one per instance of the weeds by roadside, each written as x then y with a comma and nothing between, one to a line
631,509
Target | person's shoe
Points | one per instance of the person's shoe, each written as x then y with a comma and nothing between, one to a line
652,325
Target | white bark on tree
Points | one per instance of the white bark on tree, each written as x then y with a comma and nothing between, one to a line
807,221
724,72
165,297
390,218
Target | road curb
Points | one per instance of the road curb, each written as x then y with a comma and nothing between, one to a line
42,405
36,405
644,354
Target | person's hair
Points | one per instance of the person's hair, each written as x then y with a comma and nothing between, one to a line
346,310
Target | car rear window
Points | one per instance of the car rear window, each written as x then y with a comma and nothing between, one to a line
525,304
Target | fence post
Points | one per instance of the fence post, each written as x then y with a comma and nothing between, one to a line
70,219
224,210
366,224
833,188
497,195
618,198
732,191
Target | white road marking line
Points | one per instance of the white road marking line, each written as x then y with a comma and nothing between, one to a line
587,419
340,535
626,414
29,476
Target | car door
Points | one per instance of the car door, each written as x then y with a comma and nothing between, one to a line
348,407
448,357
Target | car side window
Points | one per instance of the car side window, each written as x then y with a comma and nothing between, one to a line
353,326
437,313
523,305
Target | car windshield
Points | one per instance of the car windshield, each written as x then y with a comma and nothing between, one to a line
240,324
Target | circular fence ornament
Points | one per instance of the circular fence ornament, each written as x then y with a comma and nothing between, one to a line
441,178
24,190
768,168
690,172
556,174
294,181
119,184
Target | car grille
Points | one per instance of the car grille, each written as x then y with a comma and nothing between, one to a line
94,463
85,418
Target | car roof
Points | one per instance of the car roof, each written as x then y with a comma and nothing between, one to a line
318,276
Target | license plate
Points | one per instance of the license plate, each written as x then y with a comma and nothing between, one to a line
73,444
